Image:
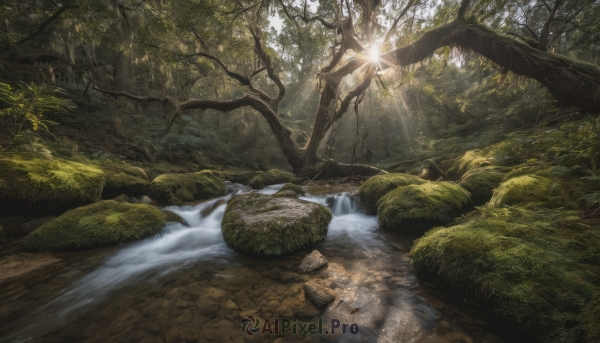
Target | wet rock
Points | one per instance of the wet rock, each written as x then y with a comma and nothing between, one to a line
173,217
311,262
319,295
271,177
287,276
179,188
145,200
28,227
290,190
264,225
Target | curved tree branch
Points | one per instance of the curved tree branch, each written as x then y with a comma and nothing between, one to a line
41,27
305,18
571,82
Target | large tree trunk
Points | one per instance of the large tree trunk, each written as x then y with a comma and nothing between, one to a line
571,82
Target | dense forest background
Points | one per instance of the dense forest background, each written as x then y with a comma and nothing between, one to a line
453,101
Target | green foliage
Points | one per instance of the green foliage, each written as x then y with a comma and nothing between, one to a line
271,177
104,222
179,188
537,268
377,186
28,104
413,208
270,226
32,184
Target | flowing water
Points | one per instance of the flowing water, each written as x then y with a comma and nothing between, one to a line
185,285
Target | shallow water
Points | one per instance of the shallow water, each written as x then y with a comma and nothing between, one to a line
185,285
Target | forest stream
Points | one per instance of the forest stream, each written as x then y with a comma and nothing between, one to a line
185,284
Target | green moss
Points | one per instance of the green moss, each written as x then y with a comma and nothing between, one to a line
481,183
470,160
533,189
414,207
271,177
31,185
180,188
243,178
268,226
122,178
374,188
295,188
539,269
96,225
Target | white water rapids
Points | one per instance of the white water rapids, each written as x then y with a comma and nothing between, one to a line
178,246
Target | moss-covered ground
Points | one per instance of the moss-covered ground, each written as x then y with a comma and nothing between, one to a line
34,185
538,268
532,253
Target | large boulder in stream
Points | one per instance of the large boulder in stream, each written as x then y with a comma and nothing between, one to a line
96,225
374,188
415,208
265,225
176,189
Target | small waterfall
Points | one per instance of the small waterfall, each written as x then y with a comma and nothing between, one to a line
339,204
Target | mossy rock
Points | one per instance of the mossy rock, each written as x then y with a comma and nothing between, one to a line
264,225
470,160
289,190
377,186
481,183
243,178
536,268
179,188
96,225
414,208
124,179
37,186
532,189
271,177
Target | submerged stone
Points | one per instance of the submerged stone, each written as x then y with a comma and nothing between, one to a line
264,225
321,296
416,207
176,189
377,186
311,262
96,225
